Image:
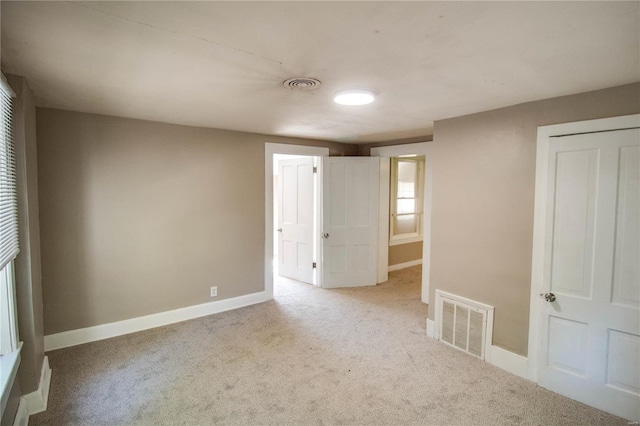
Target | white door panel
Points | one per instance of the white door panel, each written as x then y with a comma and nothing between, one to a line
590,334
350,221
295,219
626,291
574,222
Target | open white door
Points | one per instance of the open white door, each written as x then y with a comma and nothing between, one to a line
590,322
295,219
350,221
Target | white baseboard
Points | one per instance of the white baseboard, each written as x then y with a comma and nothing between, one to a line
399,266
431,328
22,415
509,361
501,358
36,401
119,328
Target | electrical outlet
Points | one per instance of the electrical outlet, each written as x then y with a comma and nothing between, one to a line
214,291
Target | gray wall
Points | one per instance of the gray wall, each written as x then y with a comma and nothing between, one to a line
483,196
140,217
405,253
13,402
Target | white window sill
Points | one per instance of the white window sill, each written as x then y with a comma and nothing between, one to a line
396,241
8,369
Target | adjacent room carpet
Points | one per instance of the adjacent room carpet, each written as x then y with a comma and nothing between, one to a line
310,357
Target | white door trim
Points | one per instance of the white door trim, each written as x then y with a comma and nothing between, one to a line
421,148
269,224
545,135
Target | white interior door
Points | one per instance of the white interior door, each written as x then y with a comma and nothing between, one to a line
590,334
295,219
350,221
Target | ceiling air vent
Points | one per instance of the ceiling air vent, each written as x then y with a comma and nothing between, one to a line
301,83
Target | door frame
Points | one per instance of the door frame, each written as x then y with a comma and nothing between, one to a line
545,138
421,148
269,221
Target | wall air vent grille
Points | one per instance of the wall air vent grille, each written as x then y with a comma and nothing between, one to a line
302,83
463,325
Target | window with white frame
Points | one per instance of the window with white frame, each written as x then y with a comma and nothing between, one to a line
8,225
406,203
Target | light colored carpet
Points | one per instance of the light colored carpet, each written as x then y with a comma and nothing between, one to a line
309,357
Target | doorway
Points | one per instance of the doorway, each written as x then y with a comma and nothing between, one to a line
274,152
296,220
406,193
404,151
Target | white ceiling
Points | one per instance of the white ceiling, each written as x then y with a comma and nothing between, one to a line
221,64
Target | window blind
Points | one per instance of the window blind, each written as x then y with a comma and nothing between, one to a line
8,195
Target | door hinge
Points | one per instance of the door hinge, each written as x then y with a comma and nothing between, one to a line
314,265
315,169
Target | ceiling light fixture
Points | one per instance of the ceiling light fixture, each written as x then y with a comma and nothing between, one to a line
354,97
